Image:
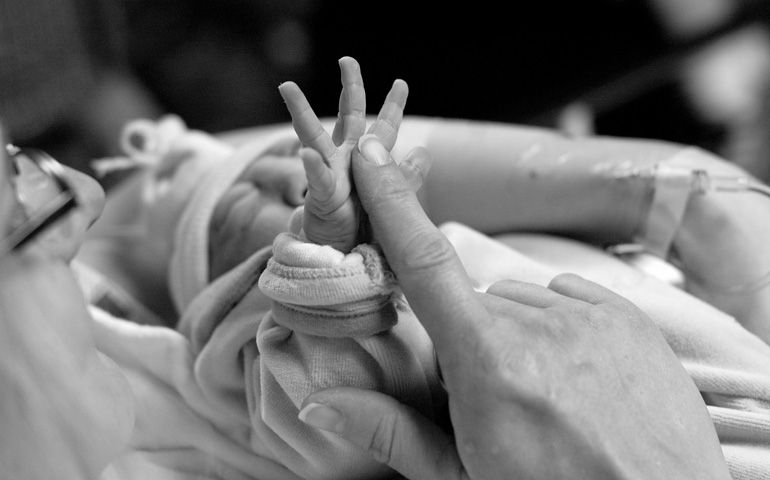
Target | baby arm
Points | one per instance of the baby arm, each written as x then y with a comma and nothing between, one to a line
332,213
334,318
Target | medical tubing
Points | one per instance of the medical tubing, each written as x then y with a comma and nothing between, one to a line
703,183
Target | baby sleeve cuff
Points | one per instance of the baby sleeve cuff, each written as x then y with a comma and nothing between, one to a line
321,291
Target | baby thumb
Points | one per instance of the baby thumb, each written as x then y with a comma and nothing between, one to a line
393,433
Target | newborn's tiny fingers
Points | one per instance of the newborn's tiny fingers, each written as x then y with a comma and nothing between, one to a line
416,166
392,112
351,119
307,125
320,178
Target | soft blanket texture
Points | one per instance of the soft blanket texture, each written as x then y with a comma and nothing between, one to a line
251,345
218,397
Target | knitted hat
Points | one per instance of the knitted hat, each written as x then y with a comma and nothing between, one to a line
187,173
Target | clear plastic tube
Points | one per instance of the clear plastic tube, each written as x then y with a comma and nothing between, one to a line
704,182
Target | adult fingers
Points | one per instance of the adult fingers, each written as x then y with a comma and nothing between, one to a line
392,112
577,287
307,125
351,119
415,167
395,434
566,288
528,294
427,267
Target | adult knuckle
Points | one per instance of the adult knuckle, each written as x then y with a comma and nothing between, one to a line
427,251
599,317
490,354
384,194
392,188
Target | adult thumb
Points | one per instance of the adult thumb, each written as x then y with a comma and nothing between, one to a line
392,432
424,261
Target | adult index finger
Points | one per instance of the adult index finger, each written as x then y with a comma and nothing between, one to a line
425,263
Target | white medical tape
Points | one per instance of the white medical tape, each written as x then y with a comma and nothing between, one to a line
673,186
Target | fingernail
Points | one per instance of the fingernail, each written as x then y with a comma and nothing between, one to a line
373,150
322,417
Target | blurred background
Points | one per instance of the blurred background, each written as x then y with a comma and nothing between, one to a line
72,72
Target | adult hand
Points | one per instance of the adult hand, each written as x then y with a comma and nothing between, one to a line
570,381
66,410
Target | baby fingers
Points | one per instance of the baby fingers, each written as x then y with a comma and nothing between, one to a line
392,112
351,120
307,125
320,178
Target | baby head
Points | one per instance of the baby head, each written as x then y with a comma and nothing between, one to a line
255,209
207,204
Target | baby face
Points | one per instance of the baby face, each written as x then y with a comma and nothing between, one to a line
255,209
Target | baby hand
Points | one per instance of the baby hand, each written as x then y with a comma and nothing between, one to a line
333,215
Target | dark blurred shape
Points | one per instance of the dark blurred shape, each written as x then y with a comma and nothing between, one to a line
65,85
218,64
55,70
505,61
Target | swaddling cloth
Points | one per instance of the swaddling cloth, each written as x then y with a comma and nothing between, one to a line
288,321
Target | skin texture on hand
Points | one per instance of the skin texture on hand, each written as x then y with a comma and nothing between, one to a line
570,381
